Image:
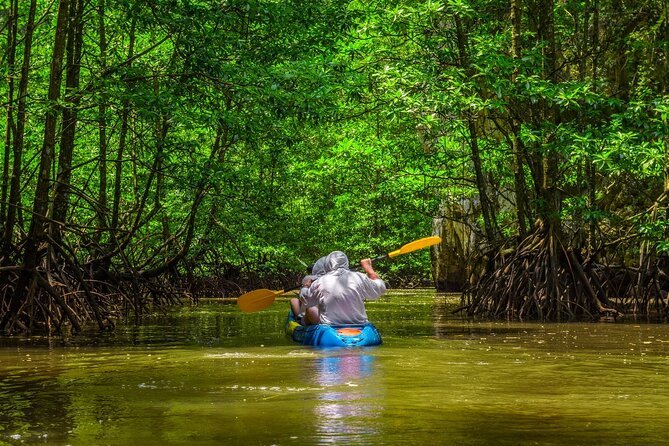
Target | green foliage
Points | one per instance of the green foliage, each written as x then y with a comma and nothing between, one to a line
305,127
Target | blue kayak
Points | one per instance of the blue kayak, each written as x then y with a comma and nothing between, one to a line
359,335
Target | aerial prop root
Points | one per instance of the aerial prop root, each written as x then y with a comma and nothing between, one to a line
541,279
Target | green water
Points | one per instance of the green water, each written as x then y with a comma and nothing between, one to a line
211,375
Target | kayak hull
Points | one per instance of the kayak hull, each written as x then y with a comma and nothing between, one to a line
358,335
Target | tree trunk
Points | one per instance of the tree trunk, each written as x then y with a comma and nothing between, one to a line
162,129
69,123
591,170
118,172
102,128
41,201
489,221
10,129
15,184
451,262
520,186
550,215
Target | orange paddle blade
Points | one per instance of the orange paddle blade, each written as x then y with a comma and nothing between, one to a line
415,245
257,300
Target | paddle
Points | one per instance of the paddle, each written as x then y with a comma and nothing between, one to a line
260,299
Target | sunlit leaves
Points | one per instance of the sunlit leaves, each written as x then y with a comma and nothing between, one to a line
344,124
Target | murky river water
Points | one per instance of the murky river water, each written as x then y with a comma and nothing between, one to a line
211,375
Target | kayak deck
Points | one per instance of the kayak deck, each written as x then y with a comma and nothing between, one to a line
354,335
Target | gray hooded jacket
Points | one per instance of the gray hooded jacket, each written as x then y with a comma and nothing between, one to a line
340,293
317,270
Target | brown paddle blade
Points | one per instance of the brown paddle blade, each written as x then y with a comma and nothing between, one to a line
257,300
415,245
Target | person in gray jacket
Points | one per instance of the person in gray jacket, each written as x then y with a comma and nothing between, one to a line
298,304
338,296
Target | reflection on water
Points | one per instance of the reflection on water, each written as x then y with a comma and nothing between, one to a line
345,410
211,376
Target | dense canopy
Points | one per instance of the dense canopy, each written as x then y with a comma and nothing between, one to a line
167,148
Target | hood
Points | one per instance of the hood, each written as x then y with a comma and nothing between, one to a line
335,260
318,268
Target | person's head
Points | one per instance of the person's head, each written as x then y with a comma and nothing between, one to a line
335,260
318,268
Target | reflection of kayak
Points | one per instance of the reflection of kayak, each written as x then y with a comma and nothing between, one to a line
332,335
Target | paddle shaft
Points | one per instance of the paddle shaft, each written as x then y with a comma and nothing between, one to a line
260,299
381,257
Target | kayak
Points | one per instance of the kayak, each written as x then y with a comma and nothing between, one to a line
357,335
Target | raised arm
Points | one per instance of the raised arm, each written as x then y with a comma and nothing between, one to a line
366,265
